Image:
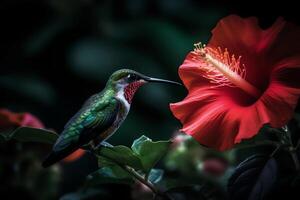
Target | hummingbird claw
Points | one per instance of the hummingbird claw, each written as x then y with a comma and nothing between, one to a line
89,147
105,144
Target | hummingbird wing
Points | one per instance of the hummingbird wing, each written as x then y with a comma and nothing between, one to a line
94,118
91,101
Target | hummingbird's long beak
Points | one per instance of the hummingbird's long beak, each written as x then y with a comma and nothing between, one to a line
150,79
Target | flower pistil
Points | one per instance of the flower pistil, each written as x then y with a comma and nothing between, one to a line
222,69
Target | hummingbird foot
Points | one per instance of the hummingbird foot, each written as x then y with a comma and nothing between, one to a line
89,147
105,144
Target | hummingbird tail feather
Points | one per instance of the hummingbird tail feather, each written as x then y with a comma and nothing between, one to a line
55,156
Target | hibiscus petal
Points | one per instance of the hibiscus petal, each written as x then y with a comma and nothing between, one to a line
189,73
275,107
242,35
285,45
202,114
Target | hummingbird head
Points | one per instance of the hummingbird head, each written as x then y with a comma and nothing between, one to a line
127,81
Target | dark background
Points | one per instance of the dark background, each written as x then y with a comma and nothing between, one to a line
54,54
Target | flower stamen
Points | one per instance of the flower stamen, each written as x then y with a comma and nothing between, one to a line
222,69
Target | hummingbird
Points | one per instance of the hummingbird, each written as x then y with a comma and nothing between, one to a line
101,115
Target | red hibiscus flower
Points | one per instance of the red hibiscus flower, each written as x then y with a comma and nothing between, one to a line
10,119
244,78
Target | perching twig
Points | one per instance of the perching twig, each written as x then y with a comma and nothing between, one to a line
295,158
291,149
131,171
140,178
278,147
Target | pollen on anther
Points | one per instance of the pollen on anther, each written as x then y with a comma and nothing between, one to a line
205,55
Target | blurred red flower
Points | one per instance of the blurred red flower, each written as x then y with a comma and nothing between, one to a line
214,166
231,97
10,119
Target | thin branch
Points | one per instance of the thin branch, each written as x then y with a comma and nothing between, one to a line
276,150
140,178
291,149
132,172
295,158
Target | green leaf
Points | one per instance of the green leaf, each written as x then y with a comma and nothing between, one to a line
149,152
28,134
155,175
105,162
121,155
112,174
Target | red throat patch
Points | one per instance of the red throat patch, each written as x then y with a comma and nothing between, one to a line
130,90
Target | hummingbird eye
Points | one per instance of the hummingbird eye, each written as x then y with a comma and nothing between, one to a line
131,77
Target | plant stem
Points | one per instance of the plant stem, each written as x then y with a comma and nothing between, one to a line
133,173
278,147
140,178
291,148
295,158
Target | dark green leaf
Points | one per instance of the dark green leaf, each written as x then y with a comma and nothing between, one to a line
28,134
105,162
155,175
149,152
112,174
119,154
254,178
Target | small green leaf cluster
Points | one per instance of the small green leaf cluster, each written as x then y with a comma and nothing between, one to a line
121,164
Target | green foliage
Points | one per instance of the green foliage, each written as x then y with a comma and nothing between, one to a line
149,152
28,134
143,155
118,164
111,174
121,155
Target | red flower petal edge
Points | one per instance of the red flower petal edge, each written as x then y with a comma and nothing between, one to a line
221,116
